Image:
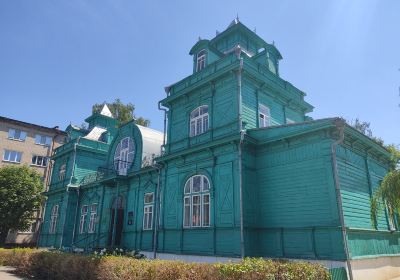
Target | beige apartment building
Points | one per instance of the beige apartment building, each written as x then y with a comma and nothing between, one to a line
30,144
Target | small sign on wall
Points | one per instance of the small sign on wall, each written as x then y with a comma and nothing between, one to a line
130,218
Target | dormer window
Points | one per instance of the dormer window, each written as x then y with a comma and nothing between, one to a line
201,60
199,120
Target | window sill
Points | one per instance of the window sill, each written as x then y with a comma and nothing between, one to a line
35,165
13,162
44,145
18,140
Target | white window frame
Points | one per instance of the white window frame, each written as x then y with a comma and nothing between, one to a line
42,140
204,204
124,155
12,133
82,220
92,219
62,170
12,156
53,219
199,121
201,60
264,116
40,161
148,211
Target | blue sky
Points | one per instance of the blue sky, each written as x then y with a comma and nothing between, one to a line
57,58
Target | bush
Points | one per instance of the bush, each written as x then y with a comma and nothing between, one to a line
64,266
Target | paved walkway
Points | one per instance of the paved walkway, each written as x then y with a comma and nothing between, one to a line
6,274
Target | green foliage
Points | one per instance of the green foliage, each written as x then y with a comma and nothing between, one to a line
364,128
122,112
388,194
57,265
395,156
20,195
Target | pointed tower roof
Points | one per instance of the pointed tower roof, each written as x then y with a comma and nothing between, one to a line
105,111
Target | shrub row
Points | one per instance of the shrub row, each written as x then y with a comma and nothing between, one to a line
63,266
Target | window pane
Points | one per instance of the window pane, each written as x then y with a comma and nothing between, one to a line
17,134
11,133
37,139
196,184
45,161
196,210
186,221
187,187
48,141
148,198
203,110
6,155
198,126
206,187
23,136
205,123
39,160
206,210
34,160
192,128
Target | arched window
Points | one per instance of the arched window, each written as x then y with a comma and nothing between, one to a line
199,120
196,200
123,156
201,60
53,219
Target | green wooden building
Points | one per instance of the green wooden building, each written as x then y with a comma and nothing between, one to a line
240,170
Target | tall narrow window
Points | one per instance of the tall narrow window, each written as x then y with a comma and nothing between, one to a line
196,201
199,120
61,171
53,219
264,116
82,221
201,60
148,211
93,216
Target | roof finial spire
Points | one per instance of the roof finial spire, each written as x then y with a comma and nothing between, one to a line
237,17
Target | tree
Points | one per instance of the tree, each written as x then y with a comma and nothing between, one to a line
364,128
123,112
20,195
388,193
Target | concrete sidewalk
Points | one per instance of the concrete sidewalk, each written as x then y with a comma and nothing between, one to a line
6,273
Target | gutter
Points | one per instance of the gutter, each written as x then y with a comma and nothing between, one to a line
242,133
165,125
340,126
157,210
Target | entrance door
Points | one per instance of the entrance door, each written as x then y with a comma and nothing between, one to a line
117,222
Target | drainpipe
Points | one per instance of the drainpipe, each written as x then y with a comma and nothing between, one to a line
340,127
242,133
67,191
165,124
156,212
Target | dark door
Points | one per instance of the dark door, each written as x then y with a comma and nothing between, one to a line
118,227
